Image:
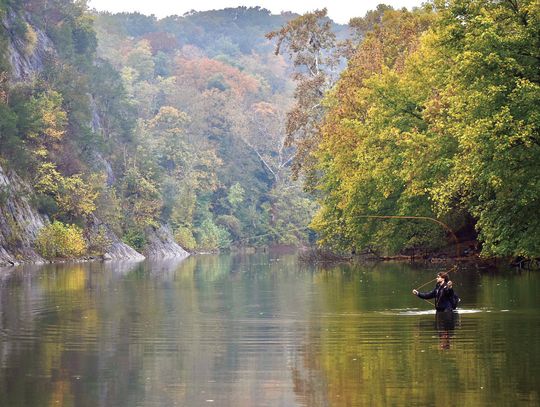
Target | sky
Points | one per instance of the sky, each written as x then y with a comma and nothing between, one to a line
339,10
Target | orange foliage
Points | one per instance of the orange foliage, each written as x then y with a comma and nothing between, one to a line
161,41
200,71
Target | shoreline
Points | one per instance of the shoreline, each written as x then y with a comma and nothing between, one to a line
316,257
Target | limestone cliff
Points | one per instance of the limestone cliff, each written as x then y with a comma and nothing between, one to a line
19,221
161,244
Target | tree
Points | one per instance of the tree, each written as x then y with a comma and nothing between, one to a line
439,124
493,95
260,127
140,59
309,42
362,155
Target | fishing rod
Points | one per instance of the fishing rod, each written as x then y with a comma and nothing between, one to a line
454,268
444,225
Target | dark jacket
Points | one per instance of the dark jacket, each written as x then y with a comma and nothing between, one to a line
443,297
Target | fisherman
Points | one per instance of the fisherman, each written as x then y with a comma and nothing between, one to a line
445,298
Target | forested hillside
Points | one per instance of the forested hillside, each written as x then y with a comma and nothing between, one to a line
210,97
131,123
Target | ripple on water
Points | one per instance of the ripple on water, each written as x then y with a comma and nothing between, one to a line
414,311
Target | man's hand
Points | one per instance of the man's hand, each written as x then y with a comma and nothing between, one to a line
449,284
415,292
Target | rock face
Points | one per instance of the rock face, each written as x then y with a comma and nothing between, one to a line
19,222
26,62
118,250
161,244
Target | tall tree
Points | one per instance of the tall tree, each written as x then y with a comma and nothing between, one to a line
493,98
361,152
310,44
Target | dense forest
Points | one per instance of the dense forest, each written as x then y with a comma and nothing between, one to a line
140,122
436,115
238,127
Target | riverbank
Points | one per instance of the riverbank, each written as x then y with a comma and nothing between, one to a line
471,258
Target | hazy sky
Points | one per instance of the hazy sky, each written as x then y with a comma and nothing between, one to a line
339,10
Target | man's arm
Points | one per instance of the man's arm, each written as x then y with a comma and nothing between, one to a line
426,295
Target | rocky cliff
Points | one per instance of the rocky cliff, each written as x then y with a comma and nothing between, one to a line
26,60
161,244
117,250
19,221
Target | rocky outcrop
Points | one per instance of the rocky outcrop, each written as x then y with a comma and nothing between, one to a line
20,224
19,221
121,251
161,244
117,249
26,59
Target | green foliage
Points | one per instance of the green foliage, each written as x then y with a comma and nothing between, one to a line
363,157
155,116
9,141
43,120
212,237
495,116
142,198
74,198
232,224
235,196
115,111
45,204
136,238
290,210
192,108
59,240
98,242
109,209
84,36
184,237
140,59
441,124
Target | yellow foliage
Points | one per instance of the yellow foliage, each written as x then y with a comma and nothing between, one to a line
31,40
59,240
77,197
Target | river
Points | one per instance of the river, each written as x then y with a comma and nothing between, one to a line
264,330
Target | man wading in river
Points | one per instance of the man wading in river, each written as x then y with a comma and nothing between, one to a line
445,299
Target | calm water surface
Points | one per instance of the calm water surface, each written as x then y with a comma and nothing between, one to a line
262,330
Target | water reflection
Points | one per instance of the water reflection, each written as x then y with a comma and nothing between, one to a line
445,322
259,330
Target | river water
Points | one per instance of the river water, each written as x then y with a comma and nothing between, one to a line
264,330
